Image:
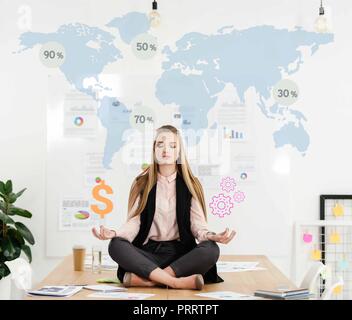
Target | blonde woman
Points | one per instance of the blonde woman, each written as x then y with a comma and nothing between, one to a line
166,214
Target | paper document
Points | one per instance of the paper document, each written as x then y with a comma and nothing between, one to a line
226,295
121,295
234,266
104,288
55,291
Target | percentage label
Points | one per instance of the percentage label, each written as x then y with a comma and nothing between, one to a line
144,46
52,54
142,118
286,92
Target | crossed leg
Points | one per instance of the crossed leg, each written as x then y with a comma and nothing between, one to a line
185,268
143,270
137,281
167,277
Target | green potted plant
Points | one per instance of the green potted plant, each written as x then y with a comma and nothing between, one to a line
15,237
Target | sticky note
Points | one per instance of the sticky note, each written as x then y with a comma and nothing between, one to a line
108,280
337,289
338,210
343,265
335,238
316,254
307,237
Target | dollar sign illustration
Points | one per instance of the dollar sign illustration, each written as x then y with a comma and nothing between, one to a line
96,195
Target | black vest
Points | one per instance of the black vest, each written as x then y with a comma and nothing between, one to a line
183,206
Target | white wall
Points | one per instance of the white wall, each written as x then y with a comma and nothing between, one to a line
327,105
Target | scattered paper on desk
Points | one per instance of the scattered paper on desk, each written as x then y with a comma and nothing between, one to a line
234,266
121,295
55,291
251,269
229,266
226,295
104,288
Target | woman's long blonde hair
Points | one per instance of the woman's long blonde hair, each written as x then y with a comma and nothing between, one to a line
145,181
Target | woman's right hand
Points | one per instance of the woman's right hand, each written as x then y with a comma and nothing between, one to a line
104,233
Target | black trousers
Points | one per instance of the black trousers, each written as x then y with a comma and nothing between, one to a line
161,254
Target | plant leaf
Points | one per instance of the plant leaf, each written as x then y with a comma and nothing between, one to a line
6,219
7,248
11,248
9,207
8,186
18,194
2,187
24,231
20,212
12,197
27,250
4,270
16,237
2,206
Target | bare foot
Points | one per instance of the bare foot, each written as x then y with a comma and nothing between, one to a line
194,281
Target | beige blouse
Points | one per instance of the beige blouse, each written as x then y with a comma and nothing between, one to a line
164,226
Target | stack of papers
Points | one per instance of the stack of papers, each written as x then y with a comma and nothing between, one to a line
55,291
235,266
106,263
301,293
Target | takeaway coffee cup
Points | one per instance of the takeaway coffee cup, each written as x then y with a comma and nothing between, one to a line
79,253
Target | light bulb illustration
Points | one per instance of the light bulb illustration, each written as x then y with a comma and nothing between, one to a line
154,16
321,23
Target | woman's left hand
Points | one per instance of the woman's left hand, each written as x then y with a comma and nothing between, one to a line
223,237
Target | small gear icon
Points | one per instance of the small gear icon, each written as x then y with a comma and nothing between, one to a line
221,205
239,196
228,184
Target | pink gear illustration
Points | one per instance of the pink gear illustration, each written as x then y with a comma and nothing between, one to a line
221,205
239,196
228,184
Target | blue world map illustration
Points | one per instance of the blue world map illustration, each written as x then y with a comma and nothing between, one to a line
249,58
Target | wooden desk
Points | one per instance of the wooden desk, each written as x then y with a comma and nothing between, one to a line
242,282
